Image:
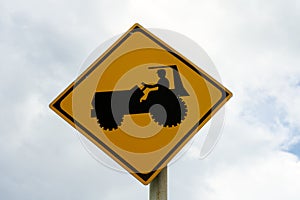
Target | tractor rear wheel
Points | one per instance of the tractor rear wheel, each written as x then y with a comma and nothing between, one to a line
169,113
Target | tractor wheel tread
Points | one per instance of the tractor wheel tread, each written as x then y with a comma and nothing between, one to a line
170,123
110,127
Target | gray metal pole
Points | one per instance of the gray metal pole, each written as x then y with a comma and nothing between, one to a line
159,186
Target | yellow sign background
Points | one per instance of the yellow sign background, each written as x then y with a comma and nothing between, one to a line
140,145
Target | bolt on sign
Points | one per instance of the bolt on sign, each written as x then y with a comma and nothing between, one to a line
140,102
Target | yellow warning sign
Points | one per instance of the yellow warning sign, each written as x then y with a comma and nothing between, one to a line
140,102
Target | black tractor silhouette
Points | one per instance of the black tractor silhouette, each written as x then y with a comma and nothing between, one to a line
165,105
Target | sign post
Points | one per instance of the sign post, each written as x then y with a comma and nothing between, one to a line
159,186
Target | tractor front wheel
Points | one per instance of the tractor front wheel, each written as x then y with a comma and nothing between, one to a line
106,119
109,123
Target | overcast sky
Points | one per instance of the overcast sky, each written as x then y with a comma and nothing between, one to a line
255,46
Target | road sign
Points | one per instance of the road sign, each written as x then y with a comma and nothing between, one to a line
140,102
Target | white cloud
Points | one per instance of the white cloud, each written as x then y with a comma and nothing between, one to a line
274,177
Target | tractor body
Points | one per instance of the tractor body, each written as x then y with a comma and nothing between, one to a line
164,105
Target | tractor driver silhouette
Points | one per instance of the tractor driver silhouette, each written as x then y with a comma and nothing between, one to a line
162,78
163,81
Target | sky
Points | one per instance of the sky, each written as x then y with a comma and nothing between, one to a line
255,47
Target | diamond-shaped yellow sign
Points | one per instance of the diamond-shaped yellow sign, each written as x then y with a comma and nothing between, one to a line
140,102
